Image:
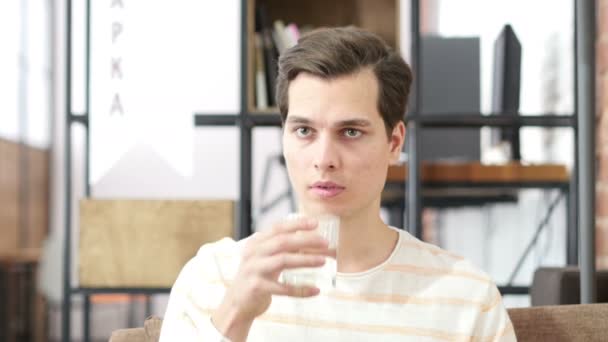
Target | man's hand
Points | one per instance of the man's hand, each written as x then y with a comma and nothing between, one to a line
264,257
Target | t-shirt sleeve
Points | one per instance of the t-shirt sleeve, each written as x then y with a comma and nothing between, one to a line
188,315
493,323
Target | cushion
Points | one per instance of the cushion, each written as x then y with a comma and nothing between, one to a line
588,322
149,333
130,335
561,285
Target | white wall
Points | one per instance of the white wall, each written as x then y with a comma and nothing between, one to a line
9,68
25,70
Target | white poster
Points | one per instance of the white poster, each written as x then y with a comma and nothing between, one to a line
153,65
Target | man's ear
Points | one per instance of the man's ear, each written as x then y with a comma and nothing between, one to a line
396,142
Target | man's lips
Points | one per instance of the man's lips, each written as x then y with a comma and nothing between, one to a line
326,189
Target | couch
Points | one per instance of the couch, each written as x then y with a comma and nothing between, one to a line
555,323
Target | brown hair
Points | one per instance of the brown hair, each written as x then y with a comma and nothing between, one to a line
341,51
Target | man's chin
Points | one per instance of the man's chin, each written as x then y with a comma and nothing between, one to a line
323,208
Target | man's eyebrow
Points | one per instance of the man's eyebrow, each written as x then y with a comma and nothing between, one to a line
297,120
353,123
342,123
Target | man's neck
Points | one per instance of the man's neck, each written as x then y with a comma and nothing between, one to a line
365,242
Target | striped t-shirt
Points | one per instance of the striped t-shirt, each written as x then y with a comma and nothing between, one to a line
420,293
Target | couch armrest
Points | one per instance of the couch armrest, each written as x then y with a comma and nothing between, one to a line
561,323
129,335
561,285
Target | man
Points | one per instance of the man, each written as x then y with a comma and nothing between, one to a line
342,94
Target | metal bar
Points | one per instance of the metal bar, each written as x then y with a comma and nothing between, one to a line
571,226
67,249
573,257
414,217
148,308
86,318
86,329
413,186
244,227
215,120
486,185
82,119
514,290
498,185
4,309
87,102
28,296
585,12
475,120
245,189
269,120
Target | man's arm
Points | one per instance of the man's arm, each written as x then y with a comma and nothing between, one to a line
493,323
263,257
184,320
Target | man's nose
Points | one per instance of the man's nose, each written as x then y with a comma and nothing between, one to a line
326,154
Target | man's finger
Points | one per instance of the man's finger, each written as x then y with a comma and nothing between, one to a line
293,225
279,262
293,291
293,242
320,251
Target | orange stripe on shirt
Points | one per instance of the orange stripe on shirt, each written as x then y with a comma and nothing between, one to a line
369,328
430,248
365,328
402,299
491,305
428,271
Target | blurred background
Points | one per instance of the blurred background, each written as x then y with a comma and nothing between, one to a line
133,132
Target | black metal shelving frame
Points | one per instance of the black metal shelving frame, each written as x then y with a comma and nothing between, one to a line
582,123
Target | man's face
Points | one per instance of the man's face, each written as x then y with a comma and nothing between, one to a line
335,144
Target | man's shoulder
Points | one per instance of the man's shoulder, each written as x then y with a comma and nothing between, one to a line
226,246
214,263
417,253
220,251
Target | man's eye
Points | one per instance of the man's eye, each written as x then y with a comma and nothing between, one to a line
303,131
352,133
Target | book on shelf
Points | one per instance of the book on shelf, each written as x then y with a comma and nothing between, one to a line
293,34
261,95
285,36
270,53
279,39
271,39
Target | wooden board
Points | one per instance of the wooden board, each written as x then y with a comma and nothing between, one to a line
9,195
145,243
24,195
37,199
21,255
475,172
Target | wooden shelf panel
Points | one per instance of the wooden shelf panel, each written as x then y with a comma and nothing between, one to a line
475,172
145,243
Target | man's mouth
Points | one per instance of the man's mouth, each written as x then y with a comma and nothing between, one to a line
326,189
